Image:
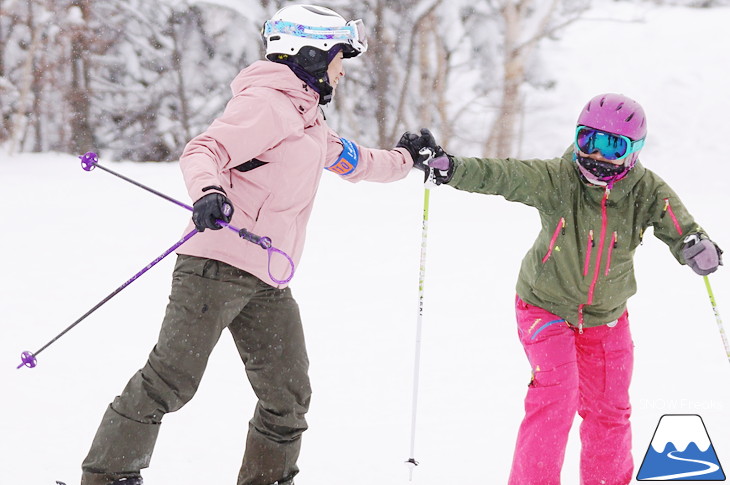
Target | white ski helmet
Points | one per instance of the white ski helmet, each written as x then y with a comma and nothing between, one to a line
307,37
296,26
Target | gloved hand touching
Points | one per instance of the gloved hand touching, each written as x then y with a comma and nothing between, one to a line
415,143
211,208
438,169
701,254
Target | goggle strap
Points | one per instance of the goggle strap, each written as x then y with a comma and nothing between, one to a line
345,32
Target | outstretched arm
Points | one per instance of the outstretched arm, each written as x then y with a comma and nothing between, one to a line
537,183
355,163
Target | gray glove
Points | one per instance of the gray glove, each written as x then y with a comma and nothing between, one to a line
701,254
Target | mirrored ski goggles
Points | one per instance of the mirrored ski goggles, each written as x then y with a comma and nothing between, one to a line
610,146
353,32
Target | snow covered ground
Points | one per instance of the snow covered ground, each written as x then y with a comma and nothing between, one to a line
71,237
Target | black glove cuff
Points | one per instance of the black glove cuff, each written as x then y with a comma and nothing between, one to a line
217,188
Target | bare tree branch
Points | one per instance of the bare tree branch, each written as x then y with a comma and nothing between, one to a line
398,121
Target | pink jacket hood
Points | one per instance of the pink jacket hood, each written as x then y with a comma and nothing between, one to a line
271,75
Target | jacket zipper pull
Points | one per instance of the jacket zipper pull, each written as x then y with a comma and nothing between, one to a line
666,207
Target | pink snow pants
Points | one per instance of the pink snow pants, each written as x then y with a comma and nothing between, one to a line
587,373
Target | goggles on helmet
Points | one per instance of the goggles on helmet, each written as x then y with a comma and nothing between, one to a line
609,145
352,33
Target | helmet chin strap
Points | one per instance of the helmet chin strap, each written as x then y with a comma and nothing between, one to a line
319,83
310,65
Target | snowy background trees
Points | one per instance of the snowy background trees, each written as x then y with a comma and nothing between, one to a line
137,78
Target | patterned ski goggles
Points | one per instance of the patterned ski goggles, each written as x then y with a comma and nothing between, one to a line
352,33
610,146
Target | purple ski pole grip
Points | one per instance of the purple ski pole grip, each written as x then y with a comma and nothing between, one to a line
89,161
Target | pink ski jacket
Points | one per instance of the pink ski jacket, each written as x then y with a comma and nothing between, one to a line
273,117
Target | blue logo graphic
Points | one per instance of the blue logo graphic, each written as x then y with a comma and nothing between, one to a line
681,450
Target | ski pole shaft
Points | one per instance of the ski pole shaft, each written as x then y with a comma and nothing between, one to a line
419,331
411,462
720,326
90,160
29,358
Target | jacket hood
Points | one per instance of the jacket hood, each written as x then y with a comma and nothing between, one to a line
272,75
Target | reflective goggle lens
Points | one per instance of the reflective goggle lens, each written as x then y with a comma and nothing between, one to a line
610,146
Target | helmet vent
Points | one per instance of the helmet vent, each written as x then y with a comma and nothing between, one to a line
616,113
319,11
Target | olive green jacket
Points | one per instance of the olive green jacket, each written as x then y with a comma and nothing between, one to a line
581,264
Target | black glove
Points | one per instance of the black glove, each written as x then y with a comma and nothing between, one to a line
415,143
211,208
701,254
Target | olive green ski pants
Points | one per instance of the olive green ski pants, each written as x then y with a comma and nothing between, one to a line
208,296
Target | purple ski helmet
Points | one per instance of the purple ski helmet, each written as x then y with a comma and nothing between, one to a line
617,114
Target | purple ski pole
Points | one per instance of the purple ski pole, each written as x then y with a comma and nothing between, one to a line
29,358
90,160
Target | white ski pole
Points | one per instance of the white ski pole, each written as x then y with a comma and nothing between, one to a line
723,335
411,462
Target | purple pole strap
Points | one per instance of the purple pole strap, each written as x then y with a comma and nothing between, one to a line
265,243
90,160
29,358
